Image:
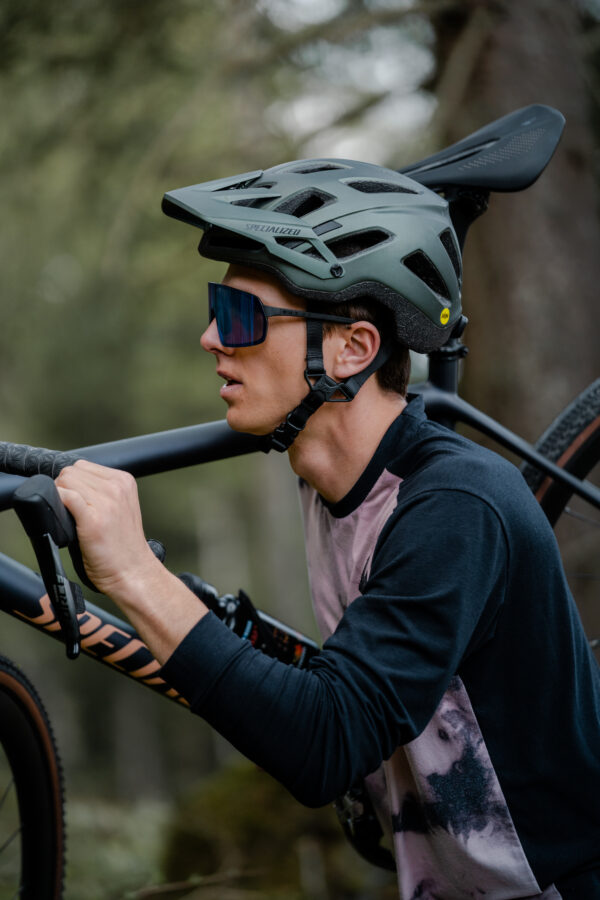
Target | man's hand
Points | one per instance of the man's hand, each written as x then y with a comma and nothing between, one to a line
104,503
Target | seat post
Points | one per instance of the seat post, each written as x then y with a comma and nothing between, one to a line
443,365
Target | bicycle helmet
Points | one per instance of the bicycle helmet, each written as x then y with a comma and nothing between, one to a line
331,231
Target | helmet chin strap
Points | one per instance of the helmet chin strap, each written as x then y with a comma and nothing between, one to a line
321,387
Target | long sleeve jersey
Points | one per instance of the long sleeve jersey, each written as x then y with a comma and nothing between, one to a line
454,675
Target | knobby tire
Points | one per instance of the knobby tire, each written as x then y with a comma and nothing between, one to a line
572,441
32,832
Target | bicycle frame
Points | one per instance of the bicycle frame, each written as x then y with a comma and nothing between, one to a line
114,642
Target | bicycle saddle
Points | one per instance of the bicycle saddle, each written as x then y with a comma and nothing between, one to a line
506,155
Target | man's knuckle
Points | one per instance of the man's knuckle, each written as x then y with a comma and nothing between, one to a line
64,475
127,482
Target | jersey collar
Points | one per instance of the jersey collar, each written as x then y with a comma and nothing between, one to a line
396,441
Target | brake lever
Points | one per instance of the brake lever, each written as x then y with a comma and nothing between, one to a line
51,515
49,525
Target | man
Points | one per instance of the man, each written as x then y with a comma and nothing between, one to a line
455,677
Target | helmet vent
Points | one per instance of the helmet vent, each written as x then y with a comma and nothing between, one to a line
324,227
313,252
351,244
421,266
303,203
292,243
366,186
238,185
450,248
316,166
256,202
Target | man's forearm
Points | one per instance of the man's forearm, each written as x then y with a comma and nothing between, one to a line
160,607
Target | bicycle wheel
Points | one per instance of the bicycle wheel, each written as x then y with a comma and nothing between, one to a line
573,442
31,794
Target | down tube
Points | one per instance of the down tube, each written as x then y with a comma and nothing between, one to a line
104,637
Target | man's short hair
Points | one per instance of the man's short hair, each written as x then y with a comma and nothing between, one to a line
395,372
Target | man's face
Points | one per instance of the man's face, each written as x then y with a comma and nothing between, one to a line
264,382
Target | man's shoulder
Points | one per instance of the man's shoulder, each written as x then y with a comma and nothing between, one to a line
418,457
439,460
416,445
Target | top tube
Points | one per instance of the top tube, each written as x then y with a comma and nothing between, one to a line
163,451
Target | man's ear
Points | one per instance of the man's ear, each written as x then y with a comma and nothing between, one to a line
350,349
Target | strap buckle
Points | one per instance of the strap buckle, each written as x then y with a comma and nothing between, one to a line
286,433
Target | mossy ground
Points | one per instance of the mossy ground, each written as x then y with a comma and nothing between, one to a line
235,836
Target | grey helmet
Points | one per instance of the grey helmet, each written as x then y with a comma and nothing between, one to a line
336,230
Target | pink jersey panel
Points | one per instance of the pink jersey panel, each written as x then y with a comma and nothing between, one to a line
438,797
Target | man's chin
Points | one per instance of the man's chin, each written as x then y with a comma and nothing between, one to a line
246,424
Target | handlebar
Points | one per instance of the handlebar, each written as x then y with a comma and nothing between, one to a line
50,526
21,459
146,454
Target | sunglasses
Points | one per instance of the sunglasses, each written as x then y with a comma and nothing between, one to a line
242,318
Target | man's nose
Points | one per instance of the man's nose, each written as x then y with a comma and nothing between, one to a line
210,341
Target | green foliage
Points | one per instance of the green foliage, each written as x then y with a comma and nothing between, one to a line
98,122
112,848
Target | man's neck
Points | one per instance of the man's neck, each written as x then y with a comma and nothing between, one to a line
341,438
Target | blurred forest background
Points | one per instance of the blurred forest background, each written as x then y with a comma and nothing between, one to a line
106,104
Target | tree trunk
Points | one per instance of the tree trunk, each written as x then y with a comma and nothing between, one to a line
532,263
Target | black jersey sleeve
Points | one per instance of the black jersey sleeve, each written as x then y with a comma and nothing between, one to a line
434,593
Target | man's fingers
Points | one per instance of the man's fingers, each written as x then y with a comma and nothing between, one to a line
102,479
72,500
85,471
94,469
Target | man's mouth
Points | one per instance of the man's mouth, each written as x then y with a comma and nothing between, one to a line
229,379
230,386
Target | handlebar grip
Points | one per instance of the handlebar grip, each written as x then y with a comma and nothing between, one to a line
21,459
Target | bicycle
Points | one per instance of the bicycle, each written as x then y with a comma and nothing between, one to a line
506,155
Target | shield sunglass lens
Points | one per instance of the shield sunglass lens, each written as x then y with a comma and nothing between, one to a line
240,318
